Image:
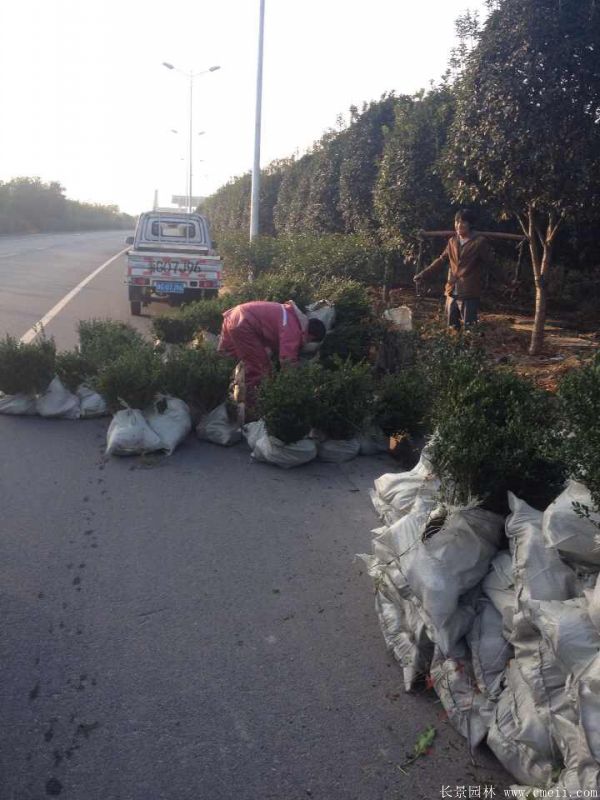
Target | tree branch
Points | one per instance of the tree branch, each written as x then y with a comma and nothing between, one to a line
523,223
554,230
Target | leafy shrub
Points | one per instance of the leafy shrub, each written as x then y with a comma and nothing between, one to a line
104,340
286,401
200,377
344,399
351,299
403,403
579,393
450,362
493,433
26,368
207,315
73,369
174,328
133,378
350,340
278,287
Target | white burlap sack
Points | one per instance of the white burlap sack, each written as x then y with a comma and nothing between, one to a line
593,598
499,586
323,310
539,572
129,434
170,419
490,652
92,404
567,628
274,451
217,427
253,431
403,629
467,708
396,492
446,565
18,404
57,401
373,441
400,317
517,736
336,451
571,535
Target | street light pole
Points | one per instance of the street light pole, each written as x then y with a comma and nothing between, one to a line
191,75
255,199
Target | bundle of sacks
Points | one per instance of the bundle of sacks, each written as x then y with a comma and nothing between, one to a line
502,617
56,402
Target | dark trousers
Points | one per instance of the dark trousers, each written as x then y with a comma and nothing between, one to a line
462,312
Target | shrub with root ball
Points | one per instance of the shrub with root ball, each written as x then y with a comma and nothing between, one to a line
403,403
344,399
133,378
73,369
200,377
101,341
287,403
26,368
174,328
207,315
494,433
579,393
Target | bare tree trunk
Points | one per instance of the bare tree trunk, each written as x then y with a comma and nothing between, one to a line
540,247
537,336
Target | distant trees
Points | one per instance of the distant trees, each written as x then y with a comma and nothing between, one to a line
29,205
410,194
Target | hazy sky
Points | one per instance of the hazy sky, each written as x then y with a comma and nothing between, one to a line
84,99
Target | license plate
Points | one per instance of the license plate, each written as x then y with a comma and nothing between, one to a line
170,288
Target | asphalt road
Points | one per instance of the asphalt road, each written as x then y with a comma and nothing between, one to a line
193,627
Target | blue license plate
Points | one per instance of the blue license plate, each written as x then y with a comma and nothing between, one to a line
170,288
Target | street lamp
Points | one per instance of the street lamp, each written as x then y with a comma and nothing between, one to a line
201,160
255,195
191,75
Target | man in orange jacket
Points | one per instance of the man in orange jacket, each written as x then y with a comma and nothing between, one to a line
252,331
467,254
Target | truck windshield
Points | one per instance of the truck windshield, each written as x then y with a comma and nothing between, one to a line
174,230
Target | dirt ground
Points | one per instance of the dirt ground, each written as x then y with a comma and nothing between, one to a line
506,338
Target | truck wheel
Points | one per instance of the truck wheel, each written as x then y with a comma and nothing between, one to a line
136,308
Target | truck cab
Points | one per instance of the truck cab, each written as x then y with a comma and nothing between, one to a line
172,259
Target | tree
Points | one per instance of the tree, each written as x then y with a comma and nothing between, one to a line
410,193
362,148
526,134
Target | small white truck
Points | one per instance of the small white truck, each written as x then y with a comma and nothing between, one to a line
172,259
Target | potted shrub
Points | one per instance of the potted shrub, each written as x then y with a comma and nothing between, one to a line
579,393
344,402
103,340
286,402
201,377
402,403
132,378
26,370
174,329
77,374
494,433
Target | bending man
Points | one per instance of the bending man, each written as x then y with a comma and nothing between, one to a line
253,331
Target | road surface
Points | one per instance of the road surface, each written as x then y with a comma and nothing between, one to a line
193,627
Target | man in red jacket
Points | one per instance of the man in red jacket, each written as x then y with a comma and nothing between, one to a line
252,331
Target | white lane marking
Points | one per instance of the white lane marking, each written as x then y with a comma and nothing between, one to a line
8,255
40,324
